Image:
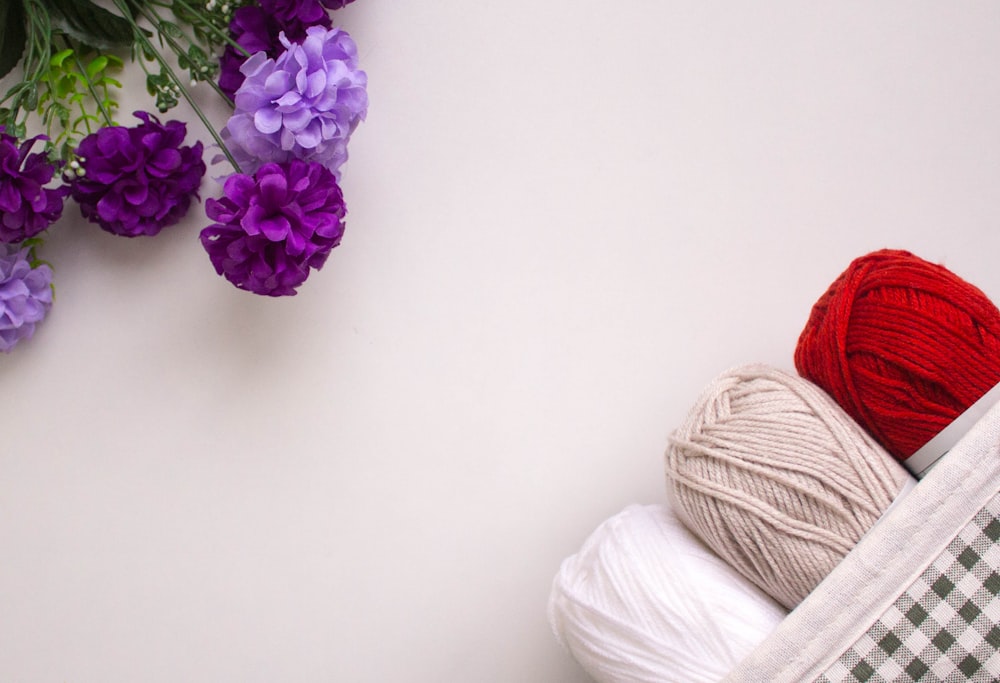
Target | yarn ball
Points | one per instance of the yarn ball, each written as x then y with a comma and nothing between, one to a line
777,479
903,345
644,601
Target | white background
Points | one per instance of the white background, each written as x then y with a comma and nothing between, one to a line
566,217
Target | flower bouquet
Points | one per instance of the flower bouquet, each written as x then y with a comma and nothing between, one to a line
297,95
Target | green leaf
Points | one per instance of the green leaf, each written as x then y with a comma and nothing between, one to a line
12,36
97,64
65,85
170,29
60,57
90,24
61,113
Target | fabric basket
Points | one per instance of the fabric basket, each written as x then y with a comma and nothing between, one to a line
918,599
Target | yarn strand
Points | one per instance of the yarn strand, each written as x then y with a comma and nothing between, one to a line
777,479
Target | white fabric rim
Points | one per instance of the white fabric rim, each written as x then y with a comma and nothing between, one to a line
927,455
886,560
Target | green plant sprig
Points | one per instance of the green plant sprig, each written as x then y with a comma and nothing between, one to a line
23,97
210,24
195,59
73,83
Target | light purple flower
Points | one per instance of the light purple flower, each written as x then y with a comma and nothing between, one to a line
303,105
25,295
138,180
257,28
273,228
26,206
254,31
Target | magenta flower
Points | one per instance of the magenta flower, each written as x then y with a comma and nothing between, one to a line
25,295
26,206
273,228
303,105
138,180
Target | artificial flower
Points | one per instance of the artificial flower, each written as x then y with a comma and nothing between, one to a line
302,105
136,181
26,206
274,227
257,28
254,31
296,12
25,295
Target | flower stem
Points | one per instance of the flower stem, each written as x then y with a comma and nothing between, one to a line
206,23
37,52
93,91
157,23
140,38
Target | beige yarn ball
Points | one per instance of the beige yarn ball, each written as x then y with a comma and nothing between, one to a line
777,479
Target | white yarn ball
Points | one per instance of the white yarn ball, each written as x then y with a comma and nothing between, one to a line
645,601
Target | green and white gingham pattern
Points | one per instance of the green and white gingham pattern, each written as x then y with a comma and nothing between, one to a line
946,625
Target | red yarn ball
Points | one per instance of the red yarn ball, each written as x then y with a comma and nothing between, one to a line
903,345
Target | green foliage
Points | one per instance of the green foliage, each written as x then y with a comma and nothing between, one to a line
89,24
77,97
208,22
66,50
198,64
164,89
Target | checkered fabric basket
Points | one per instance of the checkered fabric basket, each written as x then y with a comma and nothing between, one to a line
918,599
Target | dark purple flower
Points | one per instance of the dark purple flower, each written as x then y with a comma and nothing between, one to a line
274,227
303,13
305,104
25,295
336,4
136,181
26,206
256,28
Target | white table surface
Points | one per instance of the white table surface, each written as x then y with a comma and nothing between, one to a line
565,219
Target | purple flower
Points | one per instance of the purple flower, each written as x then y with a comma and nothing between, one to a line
290,13
336,4
138,180
26,206
254,31
256,28
274,227
25,295
303,105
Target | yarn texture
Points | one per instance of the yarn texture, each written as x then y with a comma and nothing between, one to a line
903,345
777,479
644,601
